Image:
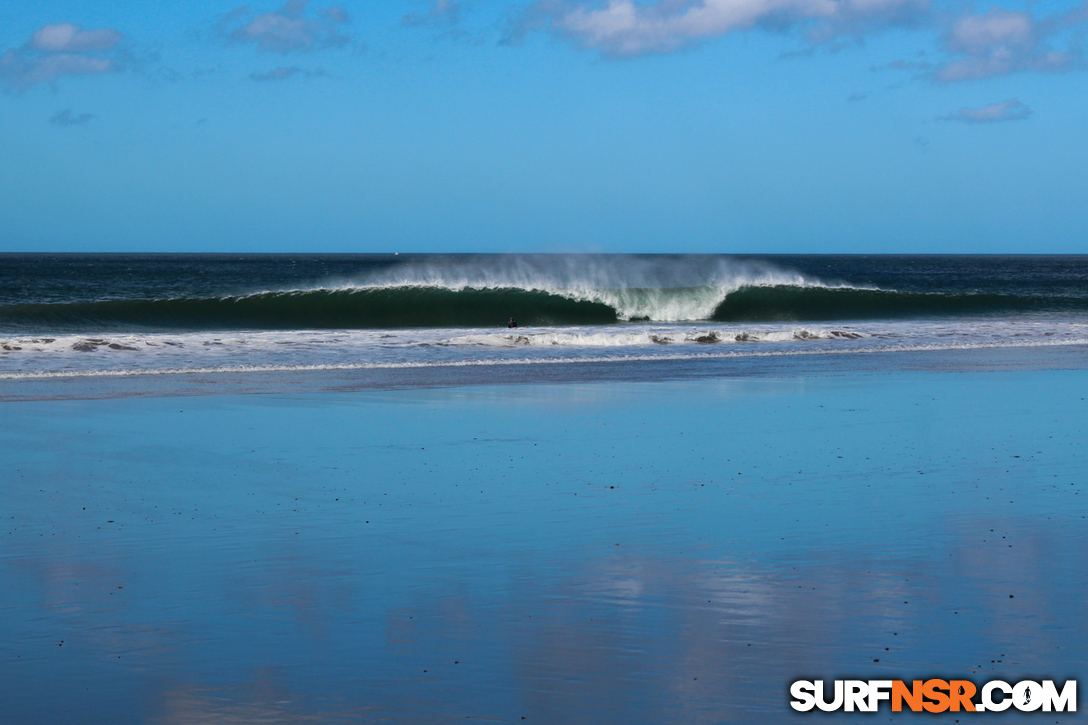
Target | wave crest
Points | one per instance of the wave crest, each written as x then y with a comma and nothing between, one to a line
537,291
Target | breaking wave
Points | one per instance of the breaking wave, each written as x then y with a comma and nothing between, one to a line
443,306
555,291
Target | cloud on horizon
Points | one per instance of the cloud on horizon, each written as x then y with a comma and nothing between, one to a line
1011,110
291,29
59,50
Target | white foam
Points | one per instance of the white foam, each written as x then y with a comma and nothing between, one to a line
145,353
239,369
659,336
654,289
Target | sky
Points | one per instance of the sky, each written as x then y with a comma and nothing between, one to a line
731,126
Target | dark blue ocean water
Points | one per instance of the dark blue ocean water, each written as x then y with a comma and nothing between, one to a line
185,292
90,314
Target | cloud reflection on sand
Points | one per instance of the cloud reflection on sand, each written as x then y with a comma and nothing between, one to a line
625,636
575,554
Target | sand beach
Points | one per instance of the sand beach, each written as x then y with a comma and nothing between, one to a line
581,551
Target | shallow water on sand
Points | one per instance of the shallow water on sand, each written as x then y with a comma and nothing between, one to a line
577,552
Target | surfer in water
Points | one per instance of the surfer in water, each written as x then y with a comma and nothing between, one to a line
512,323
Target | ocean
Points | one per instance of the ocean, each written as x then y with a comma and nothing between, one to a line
95,315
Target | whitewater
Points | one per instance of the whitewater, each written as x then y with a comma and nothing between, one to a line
86,315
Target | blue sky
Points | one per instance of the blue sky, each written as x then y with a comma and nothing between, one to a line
544,125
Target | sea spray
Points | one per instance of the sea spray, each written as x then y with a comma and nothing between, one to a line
72,313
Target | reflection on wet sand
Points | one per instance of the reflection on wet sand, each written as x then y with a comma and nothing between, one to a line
349,575
619,638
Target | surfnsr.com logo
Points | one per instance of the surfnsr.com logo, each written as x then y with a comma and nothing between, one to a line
934,696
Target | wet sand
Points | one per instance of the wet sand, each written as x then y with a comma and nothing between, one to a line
573,552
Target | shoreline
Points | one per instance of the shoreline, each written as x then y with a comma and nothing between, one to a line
374,376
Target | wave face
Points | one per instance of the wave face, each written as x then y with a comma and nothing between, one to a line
430,292
445,307
62,294
777,303
381,307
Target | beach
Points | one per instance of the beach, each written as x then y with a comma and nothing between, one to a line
639,549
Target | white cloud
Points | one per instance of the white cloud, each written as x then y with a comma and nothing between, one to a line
288,30
69,38
59,50
1002,42
1011,110
622,28
989,44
